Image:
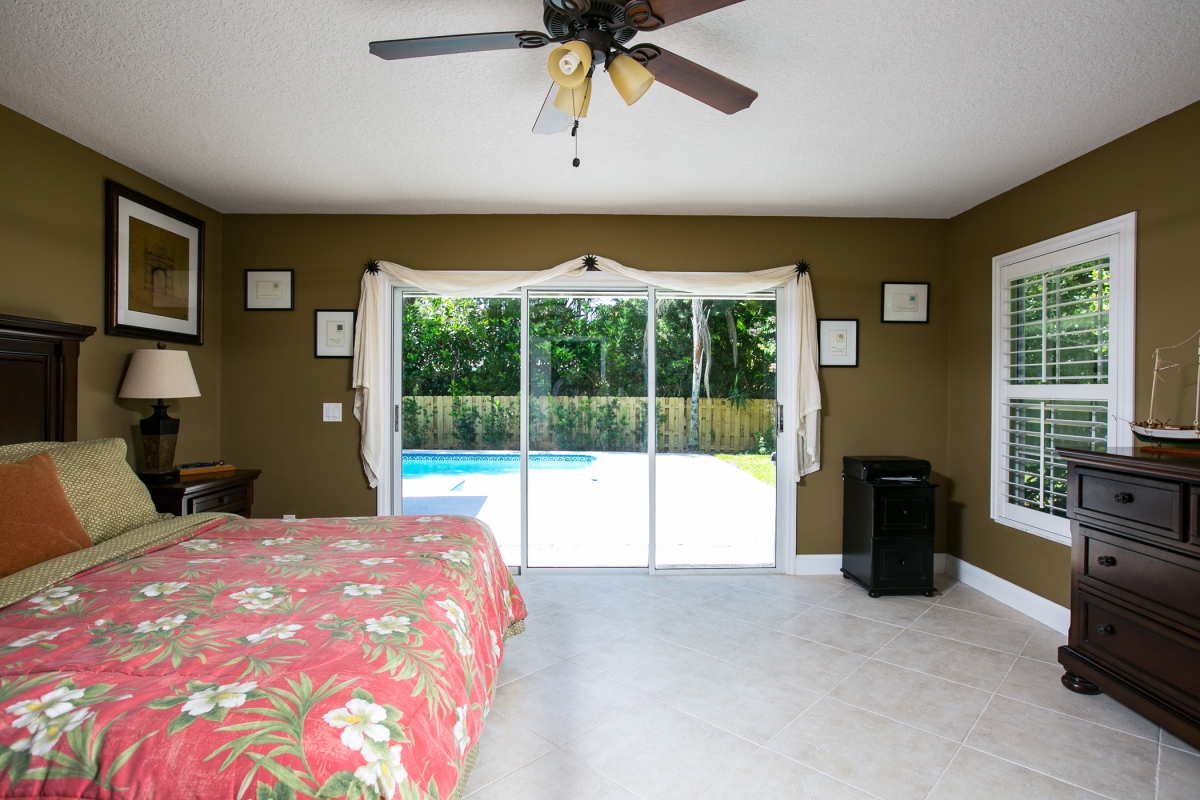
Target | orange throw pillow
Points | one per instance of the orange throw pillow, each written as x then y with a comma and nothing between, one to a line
36,521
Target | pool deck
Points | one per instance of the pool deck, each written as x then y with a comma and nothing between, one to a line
709,513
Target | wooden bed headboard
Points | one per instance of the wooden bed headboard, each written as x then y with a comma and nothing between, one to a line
39,379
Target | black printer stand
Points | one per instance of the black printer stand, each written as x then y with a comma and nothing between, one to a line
888,525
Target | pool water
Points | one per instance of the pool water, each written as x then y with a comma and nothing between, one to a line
424,464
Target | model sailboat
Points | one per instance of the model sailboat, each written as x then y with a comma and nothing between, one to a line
1160,433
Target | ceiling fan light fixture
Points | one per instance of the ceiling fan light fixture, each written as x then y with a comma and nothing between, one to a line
574,102
577,56
631,78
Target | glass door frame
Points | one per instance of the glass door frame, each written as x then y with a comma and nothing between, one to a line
389,496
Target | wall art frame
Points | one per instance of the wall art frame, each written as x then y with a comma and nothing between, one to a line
154,269
837,342
333,333
269,290
905,302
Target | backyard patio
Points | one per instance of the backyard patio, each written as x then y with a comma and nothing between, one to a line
592,508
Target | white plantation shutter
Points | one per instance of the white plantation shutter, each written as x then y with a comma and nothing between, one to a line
1062,371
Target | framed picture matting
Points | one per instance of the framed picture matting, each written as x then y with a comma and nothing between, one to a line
270,290
838,342
905,302
334,333
154,269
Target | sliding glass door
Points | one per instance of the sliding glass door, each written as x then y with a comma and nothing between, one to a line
594,429
715,455
459,412
589,495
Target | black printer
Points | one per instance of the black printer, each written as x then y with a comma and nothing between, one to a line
888,524
877,468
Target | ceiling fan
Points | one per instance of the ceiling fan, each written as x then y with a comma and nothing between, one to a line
591,33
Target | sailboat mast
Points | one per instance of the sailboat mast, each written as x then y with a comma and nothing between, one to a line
1153,390
1196,421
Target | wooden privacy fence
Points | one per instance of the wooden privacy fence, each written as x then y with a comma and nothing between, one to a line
584,423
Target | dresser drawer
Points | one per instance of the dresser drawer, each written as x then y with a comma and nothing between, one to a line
1125,638
1149,505
226,500
1155,579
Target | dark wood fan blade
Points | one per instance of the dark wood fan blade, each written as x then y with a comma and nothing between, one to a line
694,80
466,43
670,11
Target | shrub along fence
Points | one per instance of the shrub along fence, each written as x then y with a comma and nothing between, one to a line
585,423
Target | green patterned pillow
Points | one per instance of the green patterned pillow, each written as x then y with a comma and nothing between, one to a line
103,491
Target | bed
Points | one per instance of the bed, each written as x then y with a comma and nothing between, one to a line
219,657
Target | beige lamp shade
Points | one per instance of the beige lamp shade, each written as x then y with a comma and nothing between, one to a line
574,102
569,64
631,78
155,374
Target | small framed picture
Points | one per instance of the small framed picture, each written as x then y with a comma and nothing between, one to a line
906,302
335,334
155,269
838,340
269,290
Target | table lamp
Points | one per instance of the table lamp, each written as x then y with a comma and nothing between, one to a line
153,375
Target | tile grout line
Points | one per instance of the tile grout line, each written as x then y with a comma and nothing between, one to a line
974,725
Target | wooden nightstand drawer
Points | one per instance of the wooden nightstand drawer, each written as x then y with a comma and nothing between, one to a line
232,492
1143,504
225,500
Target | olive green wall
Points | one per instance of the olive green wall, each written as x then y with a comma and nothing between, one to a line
1154,171
52,267
895,402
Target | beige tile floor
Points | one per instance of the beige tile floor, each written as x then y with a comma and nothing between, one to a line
765,687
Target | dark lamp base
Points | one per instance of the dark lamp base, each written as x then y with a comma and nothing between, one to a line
159,436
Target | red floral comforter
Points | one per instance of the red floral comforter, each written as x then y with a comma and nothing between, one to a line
263,659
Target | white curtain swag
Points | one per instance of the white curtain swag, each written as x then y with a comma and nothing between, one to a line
371,354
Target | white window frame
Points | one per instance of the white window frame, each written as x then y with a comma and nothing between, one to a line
1115,238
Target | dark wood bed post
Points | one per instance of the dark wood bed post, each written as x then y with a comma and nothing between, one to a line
39,379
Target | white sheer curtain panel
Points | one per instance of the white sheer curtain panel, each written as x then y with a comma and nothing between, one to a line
371,352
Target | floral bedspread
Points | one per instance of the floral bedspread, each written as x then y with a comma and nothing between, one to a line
262,659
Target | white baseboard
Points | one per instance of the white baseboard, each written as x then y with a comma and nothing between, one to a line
1030,604
823,564
831,564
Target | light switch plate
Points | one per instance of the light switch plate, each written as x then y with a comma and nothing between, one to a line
332,412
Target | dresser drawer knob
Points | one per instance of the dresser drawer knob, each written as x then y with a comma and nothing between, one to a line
1104,629
1106,561
224,500
1123,498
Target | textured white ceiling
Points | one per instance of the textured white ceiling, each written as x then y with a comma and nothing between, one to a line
914,108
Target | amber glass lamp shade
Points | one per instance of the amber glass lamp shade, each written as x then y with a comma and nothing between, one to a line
569,64
574,102
631,78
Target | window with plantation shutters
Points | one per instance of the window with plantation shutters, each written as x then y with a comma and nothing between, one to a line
1062,367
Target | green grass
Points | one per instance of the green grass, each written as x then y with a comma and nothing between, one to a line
760,467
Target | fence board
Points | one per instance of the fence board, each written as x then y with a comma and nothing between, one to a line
560,423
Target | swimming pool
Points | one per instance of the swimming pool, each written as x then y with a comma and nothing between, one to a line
426,463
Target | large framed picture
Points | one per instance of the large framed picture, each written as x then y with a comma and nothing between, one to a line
335,333
154,269
838,342
906,302
270,290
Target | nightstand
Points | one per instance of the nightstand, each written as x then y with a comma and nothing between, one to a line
231,492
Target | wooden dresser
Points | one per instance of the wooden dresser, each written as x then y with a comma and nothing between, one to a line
1135,584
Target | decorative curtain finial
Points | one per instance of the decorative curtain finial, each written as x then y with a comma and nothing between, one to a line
590,263
372,267
802,267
